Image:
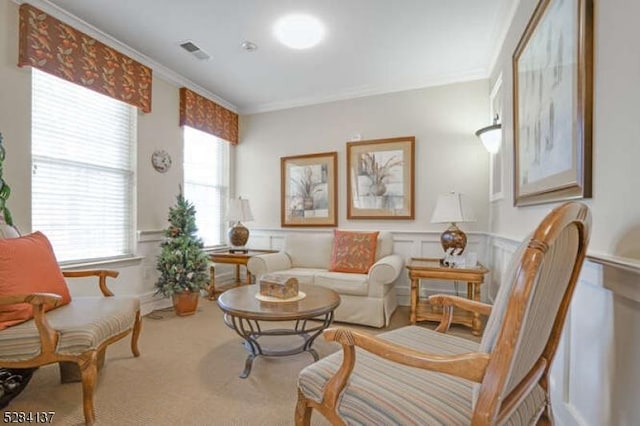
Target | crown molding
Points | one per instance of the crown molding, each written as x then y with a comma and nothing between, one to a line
500,34
361,92
162,71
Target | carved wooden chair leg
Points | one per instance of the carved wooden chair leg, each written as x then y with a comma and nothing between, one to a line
135,335
70,371
303,411
89,370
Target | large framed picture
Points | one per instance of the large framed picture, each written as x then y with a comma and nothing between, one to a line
309,190
553,97
380,178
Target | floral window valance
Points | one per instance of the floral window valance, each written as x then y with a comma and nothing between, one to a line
200,113
53,46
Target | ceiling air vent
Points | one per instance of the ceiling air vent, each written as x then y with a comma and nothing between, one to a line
190,47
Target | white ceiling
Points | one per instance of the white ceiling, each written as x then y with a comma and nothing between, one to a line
372,46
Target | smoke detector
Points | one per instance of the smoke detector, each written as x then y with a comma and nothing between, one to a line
249,46
192,48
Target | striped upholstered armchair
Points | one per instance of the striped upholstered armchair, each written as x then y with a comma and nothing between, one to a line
74,335
416,376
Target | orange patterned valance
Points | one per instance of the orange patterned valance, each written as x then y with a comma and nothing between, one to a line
53,46
200,113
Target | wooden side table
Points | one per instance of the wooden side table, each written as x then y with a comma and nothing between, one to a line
237,259
427,268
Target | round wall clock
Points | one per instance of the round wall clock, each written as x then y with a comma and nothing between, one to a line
161,160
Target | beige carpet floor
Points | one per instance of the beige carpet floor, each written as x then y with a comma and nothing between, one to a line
187,374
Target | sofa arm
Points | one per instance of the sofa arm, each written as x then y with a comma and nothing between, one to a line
387,269
383,273
266,263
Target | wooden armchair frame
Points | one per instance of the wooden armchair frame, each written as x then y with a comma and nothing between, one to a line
88,362
491,370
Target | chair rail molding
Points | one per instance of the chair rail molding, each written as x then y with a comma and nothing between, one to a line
407,244
594,375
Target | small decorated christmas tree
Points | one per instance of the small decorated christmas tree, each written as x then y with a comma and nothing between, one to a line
183,262
5,191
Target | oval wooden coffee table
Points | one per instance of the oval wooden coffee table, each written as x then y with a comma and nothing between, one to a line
244,313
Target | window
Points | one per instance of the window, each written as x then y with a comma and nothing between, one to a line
83,154
206,182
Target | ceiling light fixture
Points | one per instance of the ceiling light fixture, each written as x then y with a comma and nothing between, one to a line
299,31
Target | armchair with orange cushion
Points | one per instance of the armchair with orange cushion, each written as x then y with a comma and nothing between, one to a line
40,323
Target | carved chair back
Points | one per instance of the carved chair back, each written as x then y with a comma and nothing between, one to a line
524,328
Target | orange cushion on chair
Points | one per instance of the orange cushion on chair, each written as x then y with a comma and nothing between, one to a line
28,265
353,251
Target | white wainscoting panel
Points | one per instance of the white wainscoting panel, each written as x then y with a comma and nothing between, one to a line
149,247
595,376
406,244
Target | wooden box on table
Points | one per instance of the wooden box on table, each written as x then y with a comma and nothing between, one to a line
279,287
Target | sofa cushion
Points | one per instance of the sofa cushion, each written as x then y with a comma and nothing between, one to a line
83,325
309,250
304,275
343,282
353,251
28,265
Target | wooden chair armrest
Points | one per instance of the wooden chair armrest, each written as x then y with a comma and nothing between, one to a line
48,336
471,366
102,274
448,302
33,298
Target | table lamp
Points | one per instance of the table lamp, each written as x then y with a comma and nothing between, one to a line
453,208
238,211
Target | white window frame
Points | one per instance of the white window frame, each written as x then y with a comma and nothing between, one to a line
85,220
216,184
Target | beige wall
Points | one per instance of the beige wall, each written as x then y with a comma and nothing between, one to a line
156,130
155,191
594,377
448,154
616,125
15,118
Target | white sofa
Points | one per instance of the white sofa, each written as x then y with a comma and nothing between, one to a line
367,299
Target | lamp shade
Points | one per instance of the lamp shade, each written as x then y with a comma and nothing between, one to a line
453,207
239,210
491,137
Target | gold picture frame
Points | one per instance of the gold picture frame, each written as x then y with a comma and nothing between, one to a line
308,190
553,104
380,178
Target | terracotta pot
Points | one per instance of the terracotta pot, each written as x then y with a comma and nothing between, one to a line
185,303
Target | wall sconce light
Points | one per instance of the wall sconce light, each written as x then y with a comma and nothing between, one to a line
491,136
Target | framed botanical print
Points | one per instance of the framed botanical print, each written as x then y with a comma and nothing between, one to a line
309,194
380,178
553,102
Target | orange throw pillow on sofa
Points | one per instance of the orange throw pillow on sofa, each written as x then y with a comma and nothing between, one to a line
28,265
353,251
